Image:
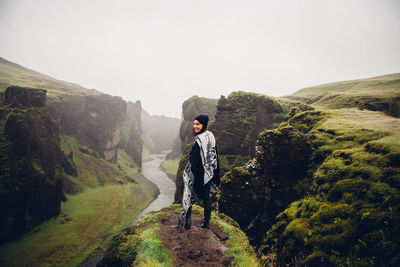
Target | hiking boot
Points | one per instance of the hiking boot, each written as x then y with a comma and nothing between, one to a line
206,225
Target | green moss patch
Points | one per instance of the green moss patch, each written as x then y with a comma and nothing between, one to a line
350,213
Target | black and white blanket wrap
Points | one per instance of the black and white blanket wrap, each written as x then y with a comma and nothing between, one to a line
208,153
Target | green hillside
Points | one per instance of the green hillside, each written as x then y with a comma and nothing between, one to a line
386,83
14,74
380,93
87,220
69,137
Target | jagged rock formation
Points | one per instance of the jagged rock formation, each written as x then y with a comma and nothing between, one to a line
238,121
32,126
318,195
267,184
30,174
348,212
95,120
25,97
131,140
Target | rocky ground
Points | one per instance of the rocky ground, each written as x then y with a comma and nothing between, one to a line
156,241
196,246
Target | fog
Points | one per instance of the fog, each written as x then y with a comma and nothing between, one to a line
162,52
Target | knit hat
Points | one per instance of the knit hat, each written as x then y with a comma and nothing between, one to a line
203,119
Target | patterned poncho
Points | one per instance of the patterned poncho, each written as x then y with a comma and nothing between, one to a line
209,158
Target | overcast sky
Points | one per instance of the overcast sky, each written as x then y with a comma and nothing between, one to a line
164,51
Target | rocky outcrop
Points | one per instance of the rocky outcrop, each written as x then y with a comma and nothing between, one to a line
95,120
30,174
131,140
240,118
254,194
317,195
190,109
347,213
25,97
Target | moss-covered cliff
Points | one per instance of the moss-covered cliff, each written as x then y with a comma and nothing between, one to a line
348,213
65,142
30,173
156,241
270,182
131,139
95,120
322,188
239,119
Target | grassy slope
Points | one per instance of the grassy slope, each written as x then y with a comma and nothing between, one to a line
87,219
387,83
360,144
379,94
354,119
170,166
14,74
92,171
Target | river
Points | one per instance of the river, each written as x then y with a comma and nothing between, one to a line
150,170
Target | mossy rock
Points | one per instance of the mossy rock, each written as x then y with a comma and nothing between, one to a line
25,97
240,118
350,215
123,248
30,173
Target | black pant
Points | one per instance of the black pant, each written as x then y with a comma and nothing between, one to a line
207,206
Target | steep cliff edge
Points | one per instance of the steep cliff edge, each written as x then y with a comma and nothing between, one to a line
155,240
348,213
322,189
62,140
131,139
95,120
31,176
238,120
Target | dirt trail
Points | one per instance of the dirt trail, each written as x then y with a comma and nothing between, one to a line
196,246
